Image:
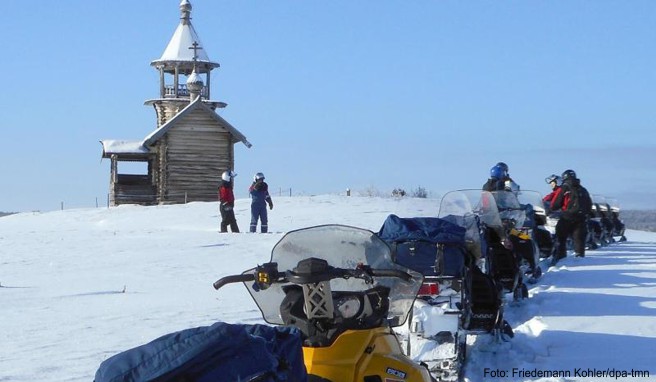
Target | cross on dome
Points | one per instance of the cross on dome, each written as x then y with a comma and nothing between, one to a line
195,48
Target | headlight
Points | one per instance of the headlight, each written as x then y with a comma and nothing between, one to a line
348,307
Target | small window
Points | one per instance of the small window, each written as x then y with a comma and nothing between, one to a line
133,168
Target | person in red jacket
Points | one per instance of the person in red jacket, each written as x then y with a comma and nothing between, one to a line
555,182
574,204
227,202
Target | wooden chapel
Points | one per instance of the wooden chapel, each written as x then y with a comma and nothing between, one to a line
192,144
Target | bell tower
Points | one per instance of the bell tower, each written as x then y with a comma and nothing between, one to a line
184,71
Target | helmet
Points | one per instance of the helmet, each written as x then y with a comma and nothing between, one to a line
568,174
258,176
497,172
228,175
554,178
504,167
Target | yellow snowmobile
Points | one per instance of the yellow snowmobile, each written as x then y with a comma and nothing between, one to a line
339,286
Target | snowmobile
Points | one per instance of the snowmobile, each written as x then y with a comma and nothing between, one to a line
607,222
339,286
534,224
618,224
456,298
508,244
595,238
603,216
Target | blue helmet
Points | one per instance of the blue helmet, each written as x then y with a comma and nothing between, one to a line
497,172
504,167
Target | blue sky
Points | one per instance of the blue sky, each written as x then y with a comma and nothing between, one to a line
341,94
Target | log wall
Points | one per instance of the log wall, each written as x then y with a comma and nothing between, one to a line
192,156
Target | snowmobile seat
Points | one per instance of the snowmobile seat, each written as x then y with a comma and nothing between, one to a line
504,266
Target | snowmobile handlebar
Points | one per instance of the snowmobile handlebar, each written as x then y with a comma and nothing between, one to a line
266,277
391,273
233,279
364,273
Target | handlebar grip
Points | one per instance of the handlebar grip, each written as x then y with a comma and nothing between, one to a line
233,279
391,273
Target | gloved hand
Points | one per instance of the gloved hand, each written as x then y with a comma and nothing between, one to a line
270,205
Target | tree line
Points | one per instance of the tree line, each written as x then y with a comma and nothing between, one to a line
641,220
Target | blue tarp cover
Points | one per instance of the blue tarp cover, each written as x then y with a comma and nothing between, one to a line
434,230
221,352
414,243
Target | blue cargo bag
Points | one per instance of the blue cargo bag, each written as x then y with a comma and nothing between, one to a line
221,352
432,246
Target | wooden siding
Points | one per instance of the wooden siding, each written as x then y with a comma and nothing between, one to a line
167,110
130,188
134,189
196,151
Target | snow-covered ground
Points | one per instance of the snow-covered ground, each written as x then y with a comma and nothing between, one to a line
78,286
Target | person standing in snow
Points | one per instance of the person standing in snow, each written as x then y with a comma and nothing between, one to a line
575,205
227,202
554,181
260,197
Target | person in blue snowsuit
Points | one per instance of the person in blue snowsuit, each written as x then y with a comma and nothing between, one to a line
260,197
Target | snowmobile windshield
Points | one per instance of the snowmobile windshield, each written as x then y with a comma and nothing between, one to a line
601,202
614,204
468,203
342,247
471,209
533,198
510,210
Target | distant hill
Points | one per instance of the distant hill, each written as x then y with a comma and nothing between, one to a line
5,213
642,220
